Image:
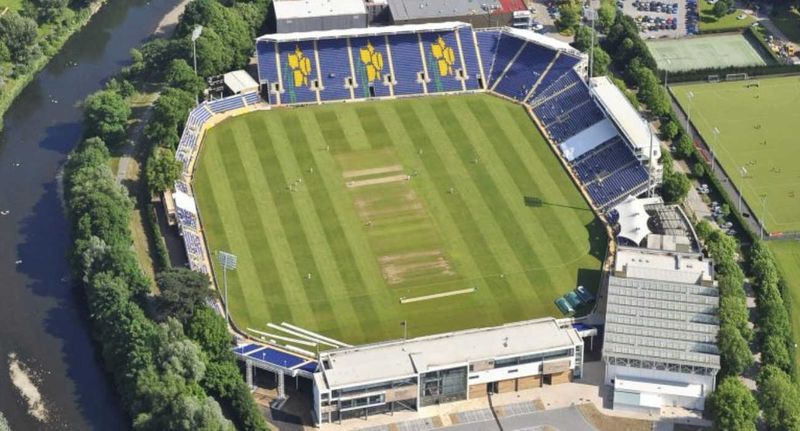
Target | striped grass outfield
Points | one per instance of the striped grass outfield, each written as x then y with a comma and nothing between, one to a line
337,212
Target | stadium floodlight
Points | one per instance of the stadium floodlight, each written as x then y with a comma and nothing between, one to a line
196,35
228,262
690,96
743,173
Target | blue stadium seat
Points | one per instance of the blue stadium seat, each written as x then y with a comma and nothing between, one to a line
507,48
521,77
407,63
335,68
376,66
299,70
487,46
471,66
267,70
562,65
442,72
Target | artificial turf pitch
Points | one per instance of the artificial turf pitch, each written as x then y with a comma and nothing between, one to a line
757,132
707,52
331,234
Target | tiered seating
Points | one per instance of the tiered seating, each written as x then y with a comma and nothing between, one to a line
252,98
373,63
520,78
631,179
194,251
267,70
568,112
471,67
335,68
603,160
407,63
227,104
562,66
186,218
487,47
442,72
507,48
299,69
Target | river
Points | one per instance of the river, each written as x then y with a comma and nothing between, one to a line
44,334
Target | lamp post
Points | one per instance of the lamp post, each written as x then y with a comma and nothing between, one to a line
716,142
227,261
763,214
690,95
666,73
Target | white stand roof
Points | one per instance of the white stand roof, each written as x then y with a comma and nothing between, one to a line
588,139
240,81
633,219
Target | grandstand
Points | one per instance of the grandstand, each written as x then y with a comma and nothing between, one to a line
545,75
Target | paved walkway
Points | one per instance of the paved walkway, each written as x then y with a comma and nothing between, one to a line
566,419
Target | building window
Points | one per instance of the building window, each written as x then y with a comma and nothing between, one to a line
444,386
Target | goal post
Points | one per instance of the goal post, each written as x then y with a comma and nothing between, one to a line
713,78
736,77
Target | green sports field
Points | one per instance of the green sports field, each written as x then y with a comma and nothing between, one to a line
787,253
336,212
758,132
715,51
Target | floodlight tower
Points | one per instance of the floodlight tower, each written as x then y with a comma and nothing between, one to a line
196,35
715,131
591,15
228,262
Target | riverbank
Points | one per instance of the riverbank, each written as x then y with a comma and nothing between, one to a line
14,87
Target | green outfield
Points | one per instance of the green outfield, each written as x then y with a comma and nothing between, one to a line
338,212
715,51
787,253
757,141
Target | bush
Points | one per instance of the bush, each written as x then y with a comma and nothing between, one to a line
106,116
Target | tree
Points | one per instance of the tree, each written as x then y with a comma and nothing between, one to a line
49,10
607,14
735,354
583,38
774,351
569,15
182,292
699,170
169,114
675,186
685,146
778,397
5,53
601,62
19,35
733,407
213,55
106,116
162,170
669,129
733,311
180,75
725,210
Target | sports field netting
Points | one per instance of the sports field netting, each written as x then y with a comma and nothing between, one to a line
336,212
787,254
705,52
757,141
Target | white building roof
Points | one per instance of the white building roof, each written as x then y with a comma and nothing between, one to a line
295,9
357,32
184,202
588,139
403,10
625,116
543,40
240,81
674,267
398,359
658,387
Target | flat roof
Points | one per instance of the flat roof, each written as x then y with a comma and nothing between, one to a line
239,81
360,32
587,139
654,313
625,115
294,9
543,40
659,387
691,268
397,359
403,10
